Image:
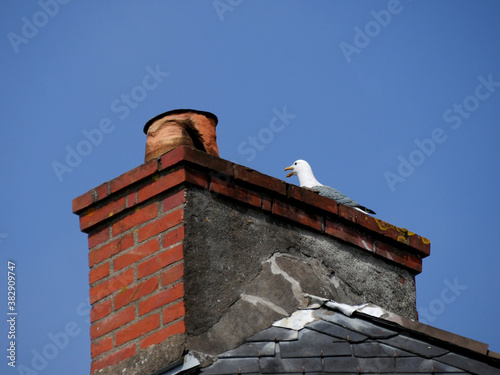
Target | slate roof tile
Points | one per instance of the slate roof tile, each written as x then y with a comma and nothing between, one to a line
251,349
314,344
370,349
341,364
468,364
419,365
357,325
412,345
336,331
274,334
288,365
233,366
379,365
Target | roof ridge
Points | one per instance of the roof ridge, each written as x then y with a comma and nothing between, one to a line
372,312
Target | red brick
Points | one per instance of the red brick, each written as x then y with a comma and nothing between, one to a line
97,238
369,222
112,322
137,329
380,248
266,204
110,286
135,292
345,233
131,199
136,254
98,273
141,215
230,190
173,236
102,191
83,201
163,334
160,184
303,195
258,179
161,299
134,175
159,261
296,214
162,224
172,275
101,346
349,213
100,310
95,216
113,359
174,200
110,249
173,312
386,229
411,261
210,162
198,158
196,178
421,244
172,157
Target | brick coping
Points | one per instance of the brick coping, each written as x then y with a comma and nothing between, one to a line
220,176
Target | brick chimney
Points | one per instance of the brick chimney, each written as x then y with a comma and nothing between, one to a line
193,253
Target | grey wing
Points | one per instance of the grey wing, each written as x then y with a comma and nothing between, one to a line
329,192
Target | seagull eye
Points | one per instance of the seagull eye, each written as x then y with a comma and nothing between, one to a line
295,163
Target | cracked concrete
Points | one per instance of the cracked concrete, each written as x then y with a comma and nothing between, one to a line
245,269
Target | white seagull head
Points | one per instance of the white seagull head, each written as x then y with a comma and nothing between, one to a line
303,171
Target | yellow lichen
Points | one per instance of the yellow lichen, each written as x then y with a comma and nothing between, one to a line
405,233
383,225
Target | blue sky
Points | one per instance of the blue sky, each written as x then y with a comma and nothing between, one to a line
395,103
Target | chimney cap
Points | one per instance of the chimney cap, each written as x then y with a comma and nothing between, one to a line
175,111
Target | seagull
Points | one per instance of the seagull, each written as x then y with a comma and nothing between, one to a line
303,171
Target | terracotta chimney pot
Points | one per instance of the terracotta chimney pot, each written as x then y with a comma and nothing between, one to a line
181,127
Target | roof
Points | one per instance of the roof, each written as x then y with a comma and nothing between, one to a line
342,339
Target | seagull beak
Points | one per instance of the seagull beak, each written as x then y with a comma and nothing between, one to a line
289,169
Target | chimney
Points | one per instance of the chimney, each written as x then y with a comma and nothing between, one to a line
181,127
193,253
